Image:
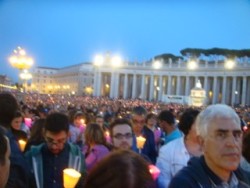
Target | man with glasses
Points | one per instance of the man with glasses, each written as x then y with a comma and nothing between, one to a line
48,160
139,114
121,134
219,131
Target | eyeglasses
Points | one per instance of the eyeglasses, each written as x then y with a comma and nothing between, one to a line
120,136
51,141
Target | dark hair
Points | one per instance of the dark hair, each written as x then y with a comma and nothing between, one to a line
167,116
3,147
119,121
187,119
8,108
149,116
123,169
246,146
36,134
56,122
139,110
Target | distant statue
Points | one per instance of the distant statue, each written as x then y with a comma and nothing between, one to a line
198,84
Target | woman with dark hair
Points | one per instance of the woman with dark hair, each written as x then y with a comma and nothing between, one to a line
16,127
36,134
175,155
123,169
96,146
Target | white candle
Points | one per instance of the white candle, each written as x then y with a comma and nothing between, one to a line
140,141
22,144
70,177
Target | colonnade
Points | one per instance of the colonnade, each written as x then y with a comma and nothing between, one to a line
229,87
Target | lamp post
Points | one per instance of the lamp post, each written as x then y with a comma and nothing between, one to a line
25,75
22,62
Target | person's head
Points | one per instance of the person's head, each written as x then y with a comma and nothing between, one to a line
56,130
4,159
8,108
186,123
99,120
139,114
121,133
78,118
151,119
123,169
219,129
17,121
166,119
94,134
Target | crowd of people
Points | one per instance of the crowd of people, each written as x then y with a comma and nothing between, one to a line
114,143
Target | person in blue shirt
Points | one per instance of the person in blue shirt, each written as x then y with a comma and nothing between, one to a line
139,114
168,125
19,174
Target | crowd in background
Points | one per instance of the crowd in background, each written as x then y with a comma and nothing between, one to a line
89,127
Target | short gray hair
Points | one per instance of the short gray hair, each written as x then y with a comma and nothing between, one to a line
212,112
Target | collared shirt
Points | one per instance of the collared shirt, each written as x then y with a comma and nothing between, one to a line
173,135
53,165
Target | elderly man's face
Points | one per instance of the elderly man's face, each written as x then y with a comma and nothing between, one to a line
222,146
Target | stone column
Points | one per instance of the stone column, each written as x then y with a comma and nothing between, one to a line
244,86
215,90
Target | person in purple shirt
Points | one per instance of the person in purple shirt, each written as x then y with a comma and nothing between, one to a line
96,146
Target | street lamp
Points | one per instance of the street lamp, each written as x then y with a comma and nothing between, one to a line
20,60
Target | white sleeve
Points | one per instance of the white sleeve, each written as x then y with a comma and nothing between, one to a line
164,164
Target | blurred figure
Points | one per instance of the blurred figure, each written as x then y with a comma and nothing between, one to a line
16,127
219,130
36,134
120,169
175,155
19,174
168,125
245,161
121,134
138,122
96,146
48,160
151,123
76,128
4,159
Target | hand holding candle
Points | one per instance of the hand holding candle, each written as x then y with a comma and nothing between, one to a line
140,141
22,144
70,177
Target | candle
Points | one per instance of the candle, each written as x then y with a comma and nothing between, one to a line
154,171
70,177
108,138
28,122
22,144
140,141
